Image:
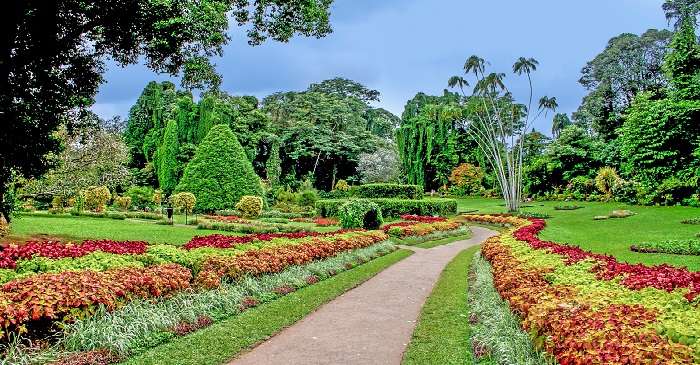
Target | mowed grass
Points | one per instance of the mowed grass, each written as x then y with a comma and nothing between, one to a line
225,340
612,236
79,228
442,333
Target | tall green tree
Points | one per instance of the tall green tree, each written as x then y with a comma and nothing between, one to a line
560,122
52,57
220,172
168,166
628,65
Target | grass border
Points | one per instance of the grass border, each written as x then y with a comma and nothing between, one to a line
442,334
227,339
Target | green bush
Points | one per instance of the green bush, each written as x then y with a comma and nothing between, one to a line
251,227
141,196
285,215
220,172
307,198
389,191
678,247
394,207
360,213
250,206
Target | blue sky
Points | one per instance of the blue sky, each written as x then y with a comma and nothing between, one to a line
401,47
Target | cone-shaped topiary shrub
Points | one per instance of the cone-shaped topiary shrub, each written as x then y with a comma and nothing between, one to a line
220,172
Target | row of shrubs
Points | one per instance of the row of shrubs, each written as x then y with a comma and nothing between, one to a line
371,191
392,207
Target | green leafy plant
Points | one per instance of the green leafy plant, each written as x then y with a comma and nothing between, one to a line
360,214
250,206
185,202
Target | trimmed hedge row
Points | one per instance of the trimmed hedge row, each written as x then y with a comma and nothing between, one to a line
375,191
394,207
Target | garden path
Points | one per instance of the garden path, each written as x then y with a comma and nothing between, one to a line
370,324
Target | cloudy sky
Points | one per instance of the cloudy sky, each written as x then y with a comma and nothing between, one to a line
401,47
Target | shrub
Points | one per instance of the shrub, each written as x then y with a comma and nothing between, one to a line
395,207
123,202
606,179
581,185
307,198
250,206
96,197
389,191
220,172
466,179
678,247
360,214
141,196
342,185
627,191
672,191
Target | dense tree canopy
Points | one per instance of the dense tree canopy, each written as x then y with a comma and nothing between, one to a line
52,57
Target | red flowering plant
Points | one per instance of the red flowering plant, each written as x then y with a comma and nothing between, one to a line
422,219
57,250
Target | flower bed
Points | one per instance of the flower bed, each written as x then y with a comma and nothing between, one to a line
422,219
587,308
678,247
421,229
69,294
55,250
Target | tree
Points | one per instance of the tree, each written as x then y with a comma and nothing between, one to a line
273,166
499,125
345,88
381,166
629,64
168,167
220,173
52,57
560,122
185,202
661,136
675,9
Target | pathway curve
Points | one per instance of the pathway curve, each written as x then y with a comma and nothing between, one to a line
371,324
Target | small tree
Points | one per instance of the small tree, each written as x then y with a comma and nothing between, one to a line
467,179
185,202
379,167
158,198
123,202
96,197
220,172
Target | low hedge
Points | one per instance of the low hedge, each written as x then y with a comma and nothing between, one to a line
376,191
361,213
394,207
678,247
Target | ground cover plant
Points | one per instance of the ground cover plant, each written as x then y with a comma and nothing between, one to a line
68,291
678,247
583,307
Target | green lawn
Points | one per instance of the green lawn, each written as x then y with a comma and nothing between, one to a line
77,228
224,340
612,236
442,333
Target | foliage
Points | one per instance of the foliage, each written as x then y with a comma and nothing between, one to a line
560,122
307,198
123,202
220,173
141,196
54,55
427,139
273,165
421,229
389,191
342,185
168,168
360,214
392,207
96,197
467,179
629,65
677,247
184,201
606,179
250,206
381,166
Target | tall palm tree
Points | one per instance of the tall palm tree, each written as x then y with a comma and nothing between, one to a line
548,104
457,81
560,122
475,64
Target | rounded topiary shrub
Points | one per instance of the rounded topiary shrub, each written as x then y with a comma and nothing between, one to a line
250,206
360,214
220,172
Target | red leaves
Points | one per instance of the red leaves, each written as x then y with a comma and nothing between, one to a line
634,276
224,241
422,219
51,296
57,250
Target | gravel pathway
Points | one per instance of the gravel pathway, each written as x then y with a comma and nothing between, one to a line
371,324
